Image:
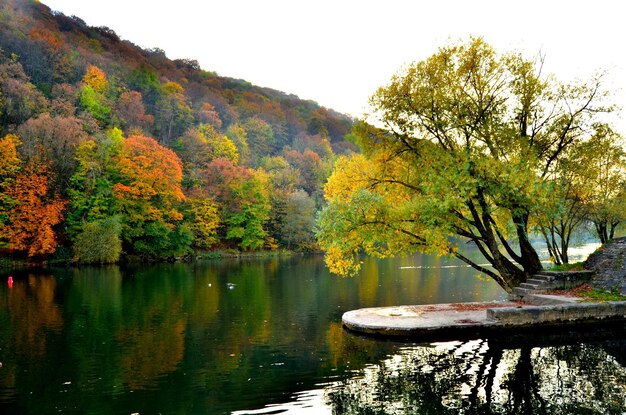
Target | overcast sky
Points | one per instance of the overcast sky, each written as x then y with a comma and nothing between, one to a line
337,52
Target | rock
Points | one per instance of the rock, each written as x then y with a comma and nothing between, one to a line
609,264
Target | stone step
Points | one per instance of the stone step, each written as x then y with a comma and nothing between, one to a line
543,277
536,281
522,291
531,286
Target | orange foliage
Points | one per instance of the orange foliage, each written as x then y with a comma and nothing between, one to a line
31,221
95,78
50,39
152,172
145,161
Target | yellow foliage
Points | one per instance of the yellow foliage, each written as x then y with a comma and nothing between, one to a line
95,78
205,222
341,262
173,88
9,160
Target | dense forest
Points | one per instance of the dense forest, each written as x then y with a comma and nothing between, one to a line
108,150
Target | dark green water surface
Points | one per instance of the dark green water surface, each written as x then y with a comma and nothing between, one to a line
265,337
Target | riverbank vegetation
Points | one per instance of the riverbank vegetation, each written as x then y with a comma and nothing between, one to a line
111,151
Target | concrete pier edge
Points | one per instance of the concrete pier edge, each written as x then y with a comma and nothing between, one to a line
439,322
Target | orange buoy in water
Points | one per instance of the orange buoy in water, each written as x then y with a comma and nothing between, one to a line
10,282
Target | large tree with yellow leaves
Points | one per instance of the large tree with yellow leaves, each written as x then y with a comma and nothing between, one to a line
464,146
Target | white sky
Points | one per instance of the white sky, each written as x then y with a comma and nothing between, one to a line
337,52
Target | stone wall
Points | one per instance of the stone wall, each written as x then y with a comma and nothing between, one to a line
561,280
609,265
554,314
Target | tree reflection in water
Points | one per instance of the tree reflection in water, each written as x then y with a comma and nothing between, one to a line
490,377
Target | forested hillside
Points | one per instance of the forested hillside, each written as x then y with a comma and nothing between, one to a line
109,150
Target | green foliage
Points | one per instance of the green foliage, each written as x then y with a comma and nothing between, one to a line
576,266
158,240
246,223
260,138
237,134
299,221
95,103
99,242
471,138
146,80
91,186
600,296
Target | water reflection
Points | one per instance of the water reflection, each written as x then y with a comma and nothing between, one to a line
236,337
490,377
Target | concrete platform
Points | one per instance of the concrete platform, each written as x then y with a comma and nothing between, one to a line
438,322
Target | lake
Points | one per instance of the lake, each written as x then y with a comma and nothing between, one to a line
264,336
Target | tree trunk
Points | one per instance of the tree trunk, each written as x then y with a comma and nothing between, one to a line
602,231
510,275
552,248
612,231
529,258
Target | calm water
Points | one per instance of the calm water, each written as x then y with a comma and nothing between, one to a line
265,337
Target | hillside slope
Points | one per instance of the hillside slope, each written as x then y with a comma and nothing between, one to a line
109,150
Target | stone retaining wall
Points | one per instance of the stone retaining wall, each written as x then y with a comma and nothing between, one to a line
609,265
558,280
566,313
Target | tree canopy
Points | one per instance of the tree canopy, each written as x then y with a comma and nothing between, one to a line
458,148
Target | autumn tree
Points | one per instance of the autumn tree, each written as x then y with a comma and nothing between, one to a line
238,135
63,101
316,143
299,221
19,98
207,114
260,138
131,112
96,79
201,144
92,96
602,173
204,218
33,213
9,166
148,194
468,140
173,114
242,195
311,167
52,140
